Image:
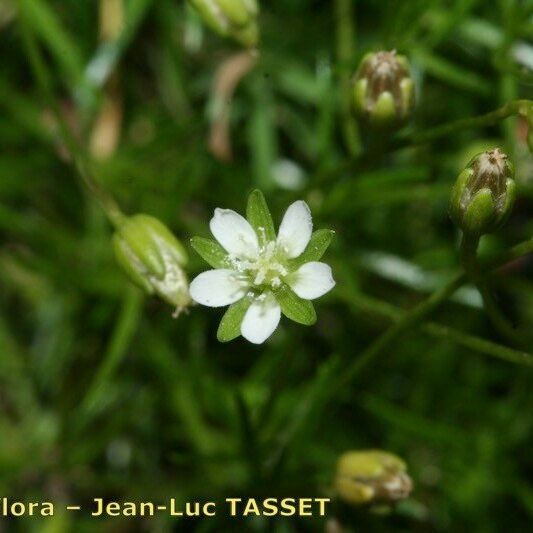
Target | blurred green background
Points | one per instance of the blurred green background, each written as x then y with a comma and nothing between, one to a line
104,394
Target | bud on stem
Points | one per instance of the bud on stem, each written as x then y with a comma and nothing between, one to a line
372,476
383,90
484,193
231,18
153,258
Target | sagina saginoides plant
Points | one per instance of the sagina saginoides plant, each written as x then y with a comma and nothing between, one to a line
260,275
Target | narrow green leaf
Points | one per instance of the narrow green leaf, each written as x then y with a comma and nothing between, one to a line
262,133
230,325
259,216
320,240
210,251
449,72
294,307
45,21
109,52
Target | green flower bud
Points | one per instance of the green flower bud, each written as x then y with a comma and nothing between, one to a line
484,193
231,18
153,258
372,476
384,93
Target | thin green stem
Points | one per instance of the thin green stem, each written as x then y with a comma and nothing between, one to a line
513,108
250,448
517,251
469,246
410,319
508,87
344,17
121,337
425,309
472,342
81,161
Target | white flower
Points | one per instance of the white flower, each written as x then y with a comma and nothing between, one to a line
261,275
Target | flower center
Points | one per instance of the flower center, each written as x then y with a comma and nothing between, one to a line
267,269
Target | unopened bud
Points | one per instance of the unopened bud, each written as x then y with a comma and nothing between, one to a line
372,476
231,18
153,258
384,93
484,193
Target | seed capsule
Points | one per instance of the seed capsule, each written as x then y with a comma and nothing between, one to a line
153,258
484,193
384,92
236,19
372,476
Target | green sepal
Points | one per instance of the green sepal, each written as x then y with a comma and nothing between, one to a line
365,59
162,235
217,23
294,307
384,110
480,214
247,35
230,325
510,197
318,244
458,190
404,62
139,240
359,93
235,11
153,258
407,88
252,6
210,251
231,18
126,259
259,216
147,237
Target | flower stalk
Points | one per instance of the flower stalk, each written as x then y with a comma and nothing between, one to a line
368,304
514,108
106,200
145,248
423,310
344,16
469,260
481,201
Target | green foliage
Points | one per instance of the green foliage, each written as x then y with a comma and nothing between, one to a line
319,243
259,216
210,251
293,307
230,325
103,393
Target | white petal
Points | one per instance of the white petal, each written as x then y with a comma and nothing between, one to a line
216,288
261,319
295,228
234,233
312,280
